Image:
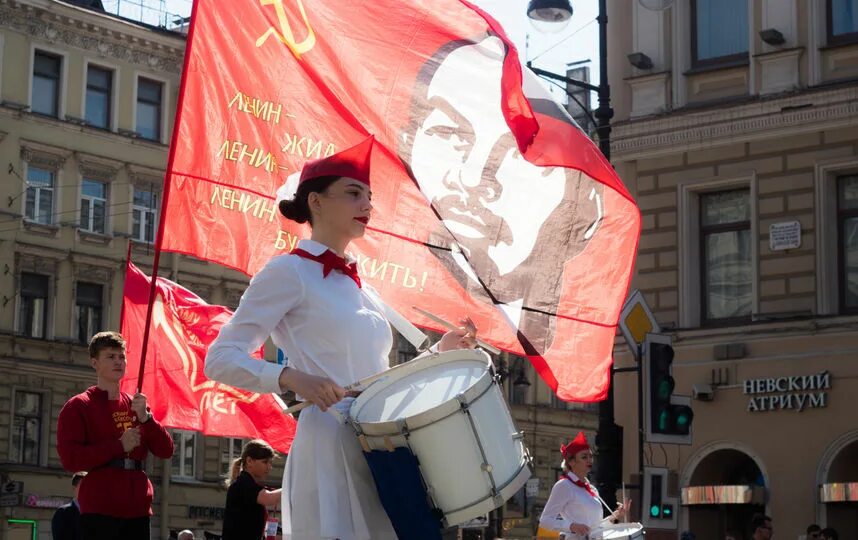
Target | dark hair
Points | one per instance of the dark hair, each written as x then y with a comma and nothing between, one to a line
759,520
256,449
77,477
830,534
297,209
105,340
813,528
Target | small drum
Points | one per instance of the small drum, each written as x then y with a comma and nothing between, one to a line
617,531
447,409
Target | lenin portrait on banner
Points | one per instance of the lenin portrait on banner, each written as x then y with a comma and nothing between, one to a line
508,226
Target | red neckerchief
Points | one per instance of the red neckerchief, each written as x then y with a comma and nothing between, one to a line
580,484
331,261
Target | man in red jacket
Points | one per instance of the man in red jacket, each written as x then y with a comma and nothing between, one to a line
109,433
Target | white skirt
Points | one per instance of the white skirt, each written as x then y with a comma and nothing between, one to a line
328,490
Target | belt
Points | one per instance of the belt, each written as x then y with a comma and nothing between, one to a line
127,464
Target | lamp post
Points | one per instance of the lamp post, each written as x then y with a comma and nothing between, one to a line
609,438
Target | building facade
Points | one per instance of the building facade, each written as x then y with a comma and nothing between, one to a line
87,101
736,129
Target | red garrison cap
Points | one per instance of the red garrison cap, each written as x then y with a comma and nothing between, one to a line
352,163
578,443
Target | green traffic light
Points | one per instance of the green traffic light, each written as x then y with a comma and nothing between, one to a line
667,511
663,390
654,510
664,421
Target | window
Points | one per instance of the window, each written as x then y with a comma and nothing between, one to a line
719,32
99,87
27,428
847,233
143,215
39,205
89,310
185,443
405,351
33,310
725,249
93,204
519,384
46,84
842,21
149,109
231,450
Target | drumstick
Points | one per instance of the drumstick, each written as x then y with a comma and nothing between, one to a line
491,348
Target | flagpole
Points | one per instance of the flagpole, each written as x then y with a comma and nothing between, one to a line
159,235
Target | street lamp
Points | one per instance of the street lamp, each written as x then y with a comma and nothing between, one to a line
549,15
609,438
552,11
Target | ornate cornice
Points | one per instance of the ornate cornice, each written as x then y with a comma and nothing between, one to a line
38,262
145,177
43,155
690,130
93,273
97,168
101,34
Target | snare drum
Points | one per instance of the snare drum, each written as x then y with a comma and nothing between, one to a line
447,409
617,531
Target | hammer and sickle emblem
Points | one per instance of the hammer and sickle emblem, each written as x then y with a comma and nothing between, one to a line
285,34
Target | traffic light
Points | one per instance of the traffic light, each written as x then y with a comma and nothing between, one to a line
668,418
655,495
658,504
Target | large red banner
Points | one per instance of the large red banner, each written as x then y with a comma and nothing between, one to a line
180,395
489,201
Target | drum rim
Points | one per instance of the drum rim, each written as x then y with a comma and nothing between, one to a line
429,416
617,526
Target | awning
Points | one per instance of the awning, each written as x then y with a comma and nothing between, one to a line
743,494
838,492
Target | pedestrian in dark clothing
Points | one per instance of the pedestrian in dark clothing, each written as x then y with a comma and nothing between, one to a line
65,525
246,515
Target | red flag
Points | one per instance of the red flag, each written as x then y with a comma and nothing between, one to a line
489,200
180,395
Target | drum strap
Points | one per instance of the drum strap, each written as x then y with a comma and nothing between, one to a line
402,325
584,485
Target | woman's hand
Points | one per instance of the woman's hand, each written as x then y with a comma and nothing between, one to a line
464,337
320,391
622,511
579,529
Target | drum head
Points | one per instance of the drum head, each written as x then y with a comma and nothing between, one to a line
616,531
429,382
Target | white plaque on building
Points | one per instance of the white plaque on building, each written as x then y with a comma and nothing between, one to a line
785,235
532,487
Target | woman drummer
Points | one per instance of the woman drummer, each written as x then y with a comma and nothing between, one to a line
574,505
313,304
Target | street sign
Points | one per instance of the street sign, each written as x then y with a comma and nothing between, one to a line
10,499
13,487
636,321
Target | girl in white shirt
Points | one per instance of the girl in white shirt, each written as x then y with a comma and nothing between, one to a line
314,306
574,505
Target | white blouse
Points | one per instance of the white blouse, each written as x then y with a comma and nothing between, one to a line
328,327
568,504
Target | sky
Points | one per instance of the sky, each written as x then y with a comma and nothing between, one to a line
579,41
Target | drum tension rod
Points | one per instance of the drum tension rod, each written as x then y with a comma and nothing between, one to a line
463,402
